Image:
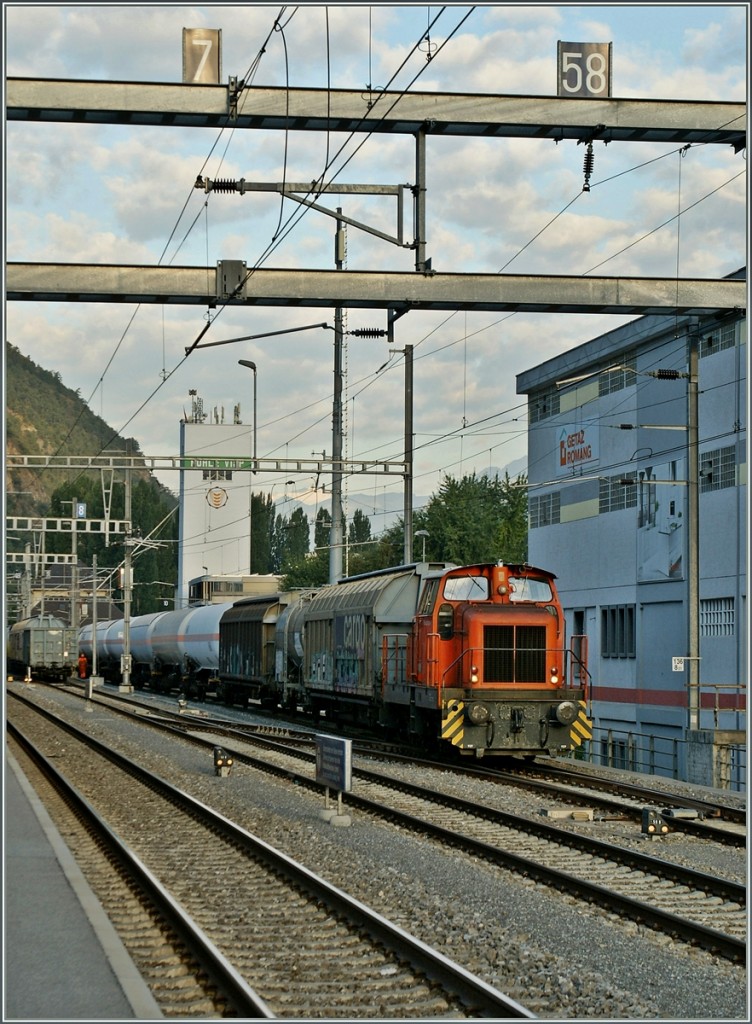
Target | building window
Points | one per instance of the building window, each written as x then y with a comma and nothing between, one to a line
544,510
543,404
615,495
722,337
217,474
717,469
618,631
617,380
717,616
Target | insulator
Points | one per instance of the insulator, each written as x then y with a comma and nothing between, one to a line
667,374
225,185
368,332
588,166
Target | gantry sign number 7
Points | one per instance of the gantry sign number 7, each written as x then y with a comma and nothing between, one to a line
202,62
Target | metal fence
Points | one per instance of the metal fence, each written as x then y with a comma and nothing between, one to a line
662,755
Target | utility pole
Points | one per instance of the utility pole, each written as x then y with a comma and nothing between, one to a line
336,538
126,685
693,538
93,679
74,614
408,508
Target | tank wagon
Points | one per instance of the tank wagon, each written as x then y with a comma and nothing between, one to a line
471,657
185,650
44,646
176,650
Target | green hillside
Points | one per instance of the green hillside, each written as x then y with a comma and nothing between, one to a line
44,417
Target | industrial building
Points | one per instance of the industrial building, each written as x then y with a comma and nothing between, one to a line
637,473
215,497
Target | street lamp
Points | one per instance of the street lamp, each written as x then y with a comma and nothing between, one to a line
252,366
423,534
287,483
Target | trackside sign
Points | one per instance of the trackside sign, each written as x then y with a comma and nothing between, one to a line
334,763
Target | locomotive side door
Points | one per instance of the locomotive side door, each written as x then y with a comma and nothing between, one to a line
424,647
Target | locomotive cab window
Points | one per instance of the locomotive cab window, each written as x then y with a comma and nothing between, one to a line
466,588
428,597
445,623
525,588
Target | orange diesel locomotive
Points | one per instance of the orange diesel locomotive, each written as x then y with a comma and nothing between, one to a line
473,656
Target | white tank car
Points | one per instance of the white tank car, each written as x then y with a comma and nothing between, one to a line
141,632
111,644
189,637
185,648
166,637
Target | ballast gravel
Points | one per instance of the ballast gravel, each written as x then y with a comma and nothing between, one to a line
557,956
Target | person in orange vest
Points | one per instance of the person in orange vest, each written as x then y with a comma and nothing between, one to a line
83,665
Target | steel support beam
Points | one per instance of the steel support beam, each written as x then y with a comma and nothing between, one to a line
40,524
342,110
158,463
66,282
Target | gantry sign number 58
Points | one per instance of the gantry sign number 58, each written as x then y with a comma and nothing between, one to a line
584,70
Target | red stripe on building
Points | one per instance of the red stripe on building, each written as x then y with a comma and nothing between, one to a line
668,698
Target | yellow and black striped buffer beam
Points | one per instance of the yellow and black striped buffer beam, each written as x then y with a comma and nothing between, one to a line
453,722
582,727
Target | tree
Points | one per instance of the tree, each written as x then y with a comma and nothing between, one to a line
359,530
475,519
511,539
153,513
262,533
322,531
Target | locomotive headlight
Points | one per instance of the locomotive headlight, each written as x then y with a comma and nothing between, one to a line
554,676
478,714
566,712
474,677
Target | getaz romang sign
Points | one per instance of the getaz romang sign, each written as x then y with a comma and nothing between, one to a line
577,445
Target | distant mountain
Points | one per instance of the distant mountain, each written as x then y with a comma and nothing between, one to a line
44,417
384,509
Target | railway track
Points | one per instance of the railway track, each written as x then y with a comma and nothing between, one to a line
254,933
712,821
697,907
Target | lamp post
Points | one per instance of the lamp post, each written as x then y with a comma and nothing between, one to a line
252,366
423,534
276,482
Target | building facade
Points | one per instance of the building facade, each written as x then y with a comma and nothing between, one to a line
215,497
618,432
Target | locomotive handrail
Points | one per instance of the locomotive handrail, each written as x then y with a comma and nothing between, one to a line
432,659
579,662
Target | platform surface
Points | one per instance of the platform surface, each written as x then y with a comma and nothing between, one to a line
62,958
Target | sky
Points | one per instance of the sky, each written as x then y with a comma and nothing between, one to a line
125,195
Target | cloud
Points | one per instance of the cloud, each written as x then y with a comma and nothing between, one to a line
117,194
